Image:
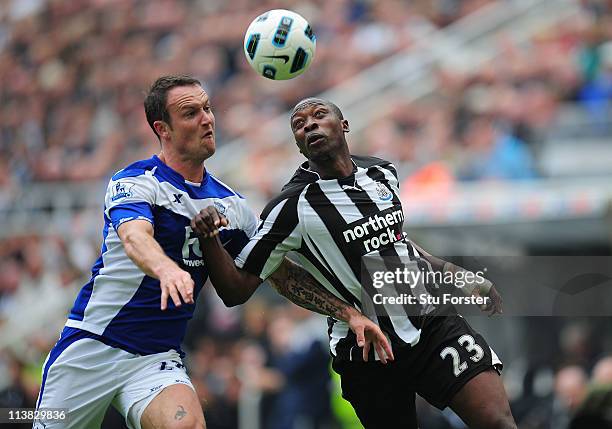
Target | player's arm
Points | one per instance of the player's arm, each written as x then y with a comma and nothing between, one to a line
235,285
481,288
142,248
300,287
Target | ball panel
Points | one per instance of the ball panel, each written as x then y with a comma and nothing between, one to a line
281,34
251,45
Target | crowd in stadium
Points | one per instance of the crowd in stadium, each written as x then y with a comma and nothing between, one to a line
72,77
74,73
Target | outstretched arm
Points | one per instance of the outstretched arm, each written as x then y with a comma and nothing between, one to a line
300,287
235,286
142,248
296,284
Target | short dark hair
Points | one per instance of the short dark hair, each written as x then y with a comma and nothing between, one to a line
313,101
155,101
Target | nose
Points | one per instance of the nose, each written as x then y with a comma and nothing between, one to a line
207,117
310,125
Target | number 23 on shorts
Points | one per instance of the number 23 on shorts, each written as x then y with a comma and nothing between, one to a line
468,343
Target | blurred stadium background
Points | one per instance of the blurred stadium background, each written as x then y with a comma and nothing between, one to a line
498,115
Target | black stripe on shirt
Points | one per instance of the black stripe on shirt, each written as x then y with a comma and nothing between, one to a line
283,226
333,222
377,175
389,255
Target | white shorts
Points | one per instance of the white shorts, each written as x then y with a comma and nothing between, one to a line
86,376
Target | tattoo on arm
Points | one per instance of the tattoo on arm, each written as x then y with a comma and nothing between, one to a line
301,288
180,413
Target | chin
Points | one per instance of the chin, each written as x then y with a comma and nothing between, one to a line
208,150
208,153
321,155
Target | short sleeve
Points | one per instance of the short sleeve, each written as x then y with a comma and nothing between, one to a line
277,234
390,173
130,198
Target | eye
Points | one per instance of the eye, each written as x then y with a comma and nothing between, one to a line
189,114
298,124
319,114
208,108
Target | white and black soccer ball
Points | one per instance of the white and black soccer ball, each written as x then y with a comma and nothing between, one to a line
279,44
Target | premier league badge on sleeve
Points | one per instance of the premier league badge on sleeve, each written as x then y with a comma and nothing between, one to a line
122,190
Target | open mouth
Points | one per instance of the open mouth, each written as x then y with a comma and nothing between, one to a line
314,139
208,134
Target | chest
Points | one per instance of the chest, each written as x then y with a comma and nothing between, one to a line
174,210
363,214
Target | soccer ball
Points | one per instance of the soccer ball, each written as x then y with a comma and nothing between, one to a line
279,44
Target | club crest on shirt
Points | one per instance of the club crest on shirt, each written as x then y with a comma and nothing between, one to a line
122,190
220,207
383,193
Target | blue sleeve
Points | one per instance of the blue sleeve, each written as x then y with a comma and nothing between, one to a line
126,212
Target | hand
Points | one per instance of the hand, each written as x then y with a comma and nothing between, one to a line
494,304
369,333
207,223
177,284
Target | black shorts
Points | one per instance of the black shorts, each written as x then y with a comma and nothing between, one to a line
448,355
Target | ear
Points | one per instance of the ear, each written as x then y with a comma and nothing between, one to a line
345,126
162,129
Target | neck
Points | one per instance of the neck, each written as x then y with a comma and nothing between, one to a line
192,171
335,167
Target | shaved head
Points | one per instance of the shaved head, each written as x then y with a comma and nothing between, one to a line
313,101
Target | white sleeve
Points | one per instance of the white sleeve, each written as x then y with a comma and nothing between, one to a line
130,197
247,218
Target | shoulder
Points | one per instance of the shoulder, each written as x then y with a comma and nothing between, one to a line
145,167
372,161
219,190
369,161
291,191
216,188
225,196
136,182
300,179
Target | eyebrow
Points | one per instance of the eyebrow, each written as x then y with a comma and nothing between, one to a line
294,120
301,109
191,105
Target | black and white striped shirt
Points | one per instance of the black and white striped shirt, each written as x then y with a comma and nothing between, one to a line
331,225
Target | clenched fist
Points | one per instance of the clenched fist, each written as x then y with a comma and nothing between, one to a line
207,223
